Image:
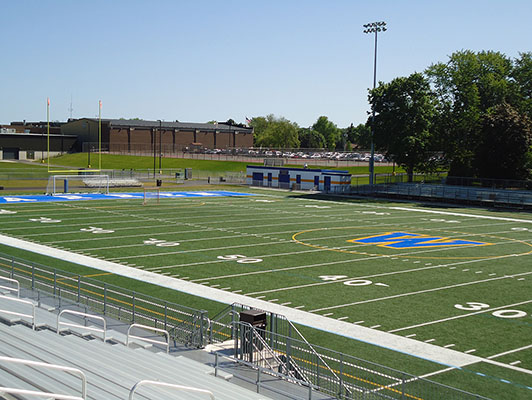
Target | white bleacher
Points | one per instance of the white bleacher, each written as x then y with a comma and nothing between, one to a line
111,370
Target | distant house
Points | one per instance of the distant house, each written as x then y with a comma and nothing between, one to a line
121,135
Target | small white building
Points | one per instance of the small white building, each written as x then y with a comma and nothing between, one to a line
299,178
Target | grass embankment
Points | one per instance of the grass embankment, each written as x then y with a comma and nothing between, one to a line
33,176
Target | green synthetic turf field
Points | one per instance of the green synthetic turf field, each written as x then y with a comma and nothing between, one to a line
454,277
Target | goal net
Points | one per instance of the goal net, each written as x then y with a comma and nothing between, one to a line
60,184
151,195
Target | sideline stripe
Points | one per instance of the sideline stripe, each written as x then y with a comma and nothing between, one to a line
526,221
382,339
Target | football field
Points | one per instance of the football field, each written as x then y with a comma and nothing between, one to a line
453,277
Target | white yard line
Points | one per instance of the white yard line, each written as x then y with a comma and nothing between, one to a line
437,289
461,316
351,278
510,351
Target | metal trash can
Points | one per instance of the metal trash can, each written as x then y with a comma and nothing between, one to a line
257,319
159,182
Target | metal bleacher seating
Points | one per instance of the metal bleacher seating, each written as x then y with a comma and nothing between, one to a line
112,370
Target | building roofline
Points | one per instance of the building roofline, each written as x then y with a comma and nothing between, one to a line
134,123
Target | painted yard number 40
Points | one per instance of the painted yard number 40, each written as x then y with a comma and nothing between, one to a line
473,306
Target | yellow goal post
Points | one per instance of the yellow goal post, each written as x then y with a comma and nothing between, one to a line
152,195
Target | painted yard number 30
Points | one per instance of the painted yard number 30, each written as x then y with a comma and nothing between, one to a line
473,306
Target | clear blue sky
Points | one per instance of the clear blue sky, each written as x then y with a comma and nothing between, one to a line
201,60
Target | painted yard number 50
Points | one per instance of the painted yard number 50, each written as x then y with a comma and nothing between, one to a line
473,306
239,258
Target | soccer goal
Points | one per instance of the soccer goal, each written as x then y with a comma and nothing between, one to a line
151,195
60,184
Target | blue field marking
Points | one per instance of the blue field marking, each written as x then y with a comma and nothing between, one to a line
406,240
114,196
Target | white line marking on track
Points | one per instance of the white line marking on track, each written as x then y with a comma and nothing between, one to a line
470,351
298,307
411,335
342,318
374,326
327,314
429,340
358,322
449,345
515,362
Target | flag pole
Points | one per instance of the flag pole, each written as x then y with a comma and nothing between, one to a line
48,131
100,135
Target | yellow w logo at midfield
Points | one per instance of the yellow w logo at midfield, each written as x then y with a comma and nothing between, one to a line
405,240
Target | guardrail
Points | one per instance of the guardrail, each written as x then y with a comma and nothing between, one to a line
170,386
84,315
18,314
166,334
46,366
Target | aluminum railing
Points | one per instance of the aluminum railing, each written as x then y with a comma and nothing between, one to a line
9,288
18,314
145,339
43,365
84,315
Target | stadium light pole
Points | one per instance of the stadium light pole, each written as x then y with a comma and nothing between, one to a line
373,27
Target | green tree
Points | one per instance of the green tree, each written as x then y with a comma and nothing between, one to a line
467,86
274,132
311,139
504,151
259,125
360,135
330,132
522,73
404,109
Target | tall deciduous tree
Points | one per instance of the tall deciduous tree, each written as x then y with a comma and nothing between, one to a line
329,130
404,112
522,73
274,132
504,151
311,139
467,86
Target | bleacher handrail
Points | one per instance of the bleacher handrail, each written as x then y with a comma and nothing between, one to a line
47,366
170,386
20,301
17,284
85,315
166,334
